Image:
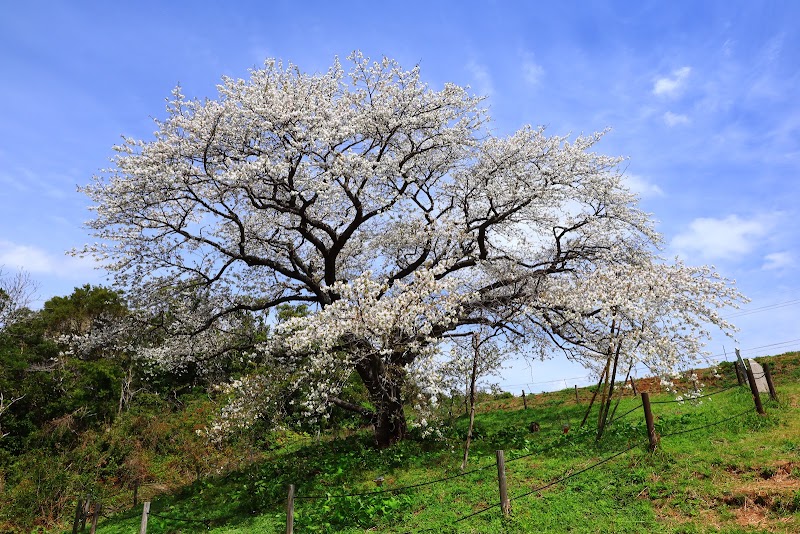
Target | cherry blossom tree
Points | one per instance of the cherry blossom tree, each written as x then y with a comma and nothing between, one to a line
647,312
17,291
393,211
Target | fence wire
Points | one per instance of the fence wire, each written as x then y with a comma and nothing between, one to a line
555,445
543,487
597,464
690,399
626,413
393,490
206,522
687,431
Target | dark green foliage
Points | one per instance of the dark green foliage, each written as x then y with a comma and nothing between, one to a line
56,387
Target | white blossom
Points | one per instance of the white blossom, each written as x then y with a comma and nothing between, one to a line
393,211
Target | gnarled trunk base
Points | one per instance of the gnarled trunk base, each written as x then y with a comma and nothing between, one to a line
390,425
385,389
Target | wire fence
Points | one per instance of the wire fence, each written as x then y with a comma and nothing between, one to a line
568,475
617,418
711,360
549,484
691,397
394,490
401,489
556,444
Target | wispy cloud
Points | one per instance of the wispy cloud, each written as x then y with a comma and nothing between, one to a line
726,238
777,260
642,186
672,86
674,119
774,48
15,182
483,80
39,261
532,72
26,181
727,47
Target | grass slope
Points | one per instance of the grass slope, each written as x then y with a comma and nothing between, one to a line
735,476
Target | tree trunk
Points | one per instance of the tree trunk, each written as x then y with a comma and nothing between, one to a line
126,390
594,396
475,345
390,424
621,394
385,387
605,409
604,392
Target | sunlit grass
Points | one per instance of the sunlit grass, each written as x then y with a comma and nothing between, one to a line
742,475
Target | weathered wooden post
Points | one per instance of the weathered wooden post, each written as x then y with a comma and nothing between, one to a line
290,511
754,391
768,375
505,504
737,367
77,522
475,347
648,417
577,400
87,505
524,401
95,517
145,514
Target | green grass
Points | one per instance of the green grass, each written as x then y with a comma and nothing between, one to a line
739,476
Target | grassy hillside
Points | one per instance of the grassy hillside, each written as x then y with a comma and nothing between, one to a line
719,468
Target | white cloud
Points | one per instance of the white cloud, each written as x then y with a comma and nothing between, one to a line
777,260
532,72
641,186
674,119
727,47
725,238
16,182
38,261
483,80
773,49
672,86
25,257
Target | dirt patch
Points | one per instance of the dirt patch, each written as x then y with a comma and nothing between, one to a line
706,517
760,513
751,516
780,478
770,502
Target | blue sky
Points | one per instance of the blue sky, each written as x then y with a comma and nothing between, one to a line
702,97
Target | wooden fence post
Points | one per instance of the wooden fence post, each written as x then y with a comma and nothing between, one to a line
648,417
290,511
737,367
86,507
95,517
77,522
505,504
768,375
754,391
524,400
145,514
577,400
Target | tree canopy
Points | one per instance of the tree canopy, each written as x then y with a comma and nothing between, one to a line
399,218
